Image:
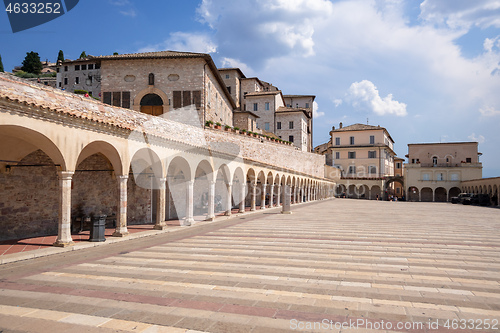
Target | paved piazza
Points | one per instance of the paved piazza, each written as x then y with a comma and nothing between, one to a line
389,266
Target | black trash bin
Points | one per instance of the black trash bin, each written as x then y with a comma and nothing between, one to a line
97,229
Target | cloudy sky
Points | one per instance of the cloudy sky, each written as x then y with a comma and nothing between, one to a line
428,71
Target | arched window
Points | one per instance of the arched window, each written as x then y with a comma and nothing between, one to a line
151,79
434,160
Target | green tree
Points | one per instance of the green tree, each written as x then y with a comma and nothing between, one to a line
32,63
1,64
60,56
115,53
83,55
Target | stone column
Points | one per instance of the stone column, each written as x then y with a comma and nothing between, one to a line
242,198
278,195
161,201
263,197
229,201
253,197
211,201
121,223
434,195
64,233
271,196
287,198
189,203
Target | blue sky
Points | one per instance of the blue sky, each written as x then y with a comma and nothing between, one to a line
428,71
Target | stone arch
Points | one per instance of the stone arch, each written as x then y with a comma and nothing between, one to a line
426,194
363,192
147,91
203,177
440,195
16,142
453,192
33,159
376,193
223,200
495,197
340,190
107,150
179,180
413,194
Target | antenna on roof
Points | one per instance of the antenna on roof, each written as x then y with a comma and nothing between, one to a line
367,119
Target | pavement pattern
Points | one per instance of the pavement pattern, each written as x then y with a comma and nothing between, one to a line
332,266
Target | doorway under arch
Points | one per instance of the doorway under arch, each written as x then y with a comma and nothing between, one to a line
152,104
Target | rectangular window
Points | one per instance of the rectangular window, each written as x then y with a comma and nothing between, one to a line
60,84
337,155
290,138
186,98
337,141
307,105
177,99
91,66
255,107
398,165
227,76
66,81
126,99
425,176
351,154
106,97
352,140
372,154
454,177
117,98
267,106
372,170
278,125
266,126
65,68
84,67
77,80
468,160
57,69
290,125
352,169
229,89
197,98
440,177
372,139
77,67
97,66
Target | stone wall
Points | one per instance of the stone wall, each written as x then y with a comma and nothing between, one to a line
29,198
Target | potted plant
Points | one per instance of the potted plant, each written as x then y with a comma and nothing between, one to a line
236,129
218,125
209,123
243,131
227,128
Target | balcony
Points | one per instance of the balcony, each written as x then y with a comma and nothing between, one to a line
444,165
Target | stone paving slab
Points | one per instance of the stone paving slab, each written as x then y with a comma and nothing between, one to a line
393,264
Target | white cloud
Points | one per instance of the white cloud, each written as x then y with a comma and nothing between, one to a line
234,63
365,95
122,3
462,14
316,113
130,12
489,111
479,139
185,42
337,102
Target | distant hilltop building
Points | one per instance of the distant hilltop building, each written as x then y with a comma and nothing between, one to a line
157,82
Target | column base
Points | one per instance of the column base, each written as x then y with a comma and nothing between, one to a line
289,212
120,234
241,211
211,218
227,214
253,209
63,244
187,222
263,207
160,227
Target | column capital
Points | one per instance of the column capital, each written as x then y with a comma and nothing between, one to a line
66,175
122,177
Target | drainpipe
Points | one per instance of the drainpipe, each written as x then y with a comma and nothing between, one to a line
204,96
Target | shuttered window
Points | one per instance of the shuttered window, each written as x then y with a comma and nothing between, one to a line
177,99
117,98
107,97
186,98
197,98
126,99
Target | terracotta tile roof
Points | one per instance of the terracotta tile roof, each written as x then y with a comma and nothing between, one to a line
260,93
154,55
298,96
283,109
358,127
78,106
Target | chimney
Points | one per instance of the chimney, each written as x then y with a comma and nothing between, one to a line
340,125
333,128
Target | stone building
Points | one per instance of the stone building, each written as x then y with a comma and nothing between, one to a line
80,74
66,156
306,103
435,171
365,156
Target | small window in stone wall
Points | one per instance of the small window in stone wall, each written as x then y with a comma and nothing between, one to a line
177,99
290,138
106,97
186,98
278,125
197,98
126,99
151,79
84,67
117,98
91,66
77,67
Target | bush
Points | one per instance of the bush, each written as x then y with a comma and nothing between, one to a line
25,75
81,92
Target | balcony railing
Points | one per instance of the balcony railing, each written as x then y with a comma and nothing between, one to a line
440,165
